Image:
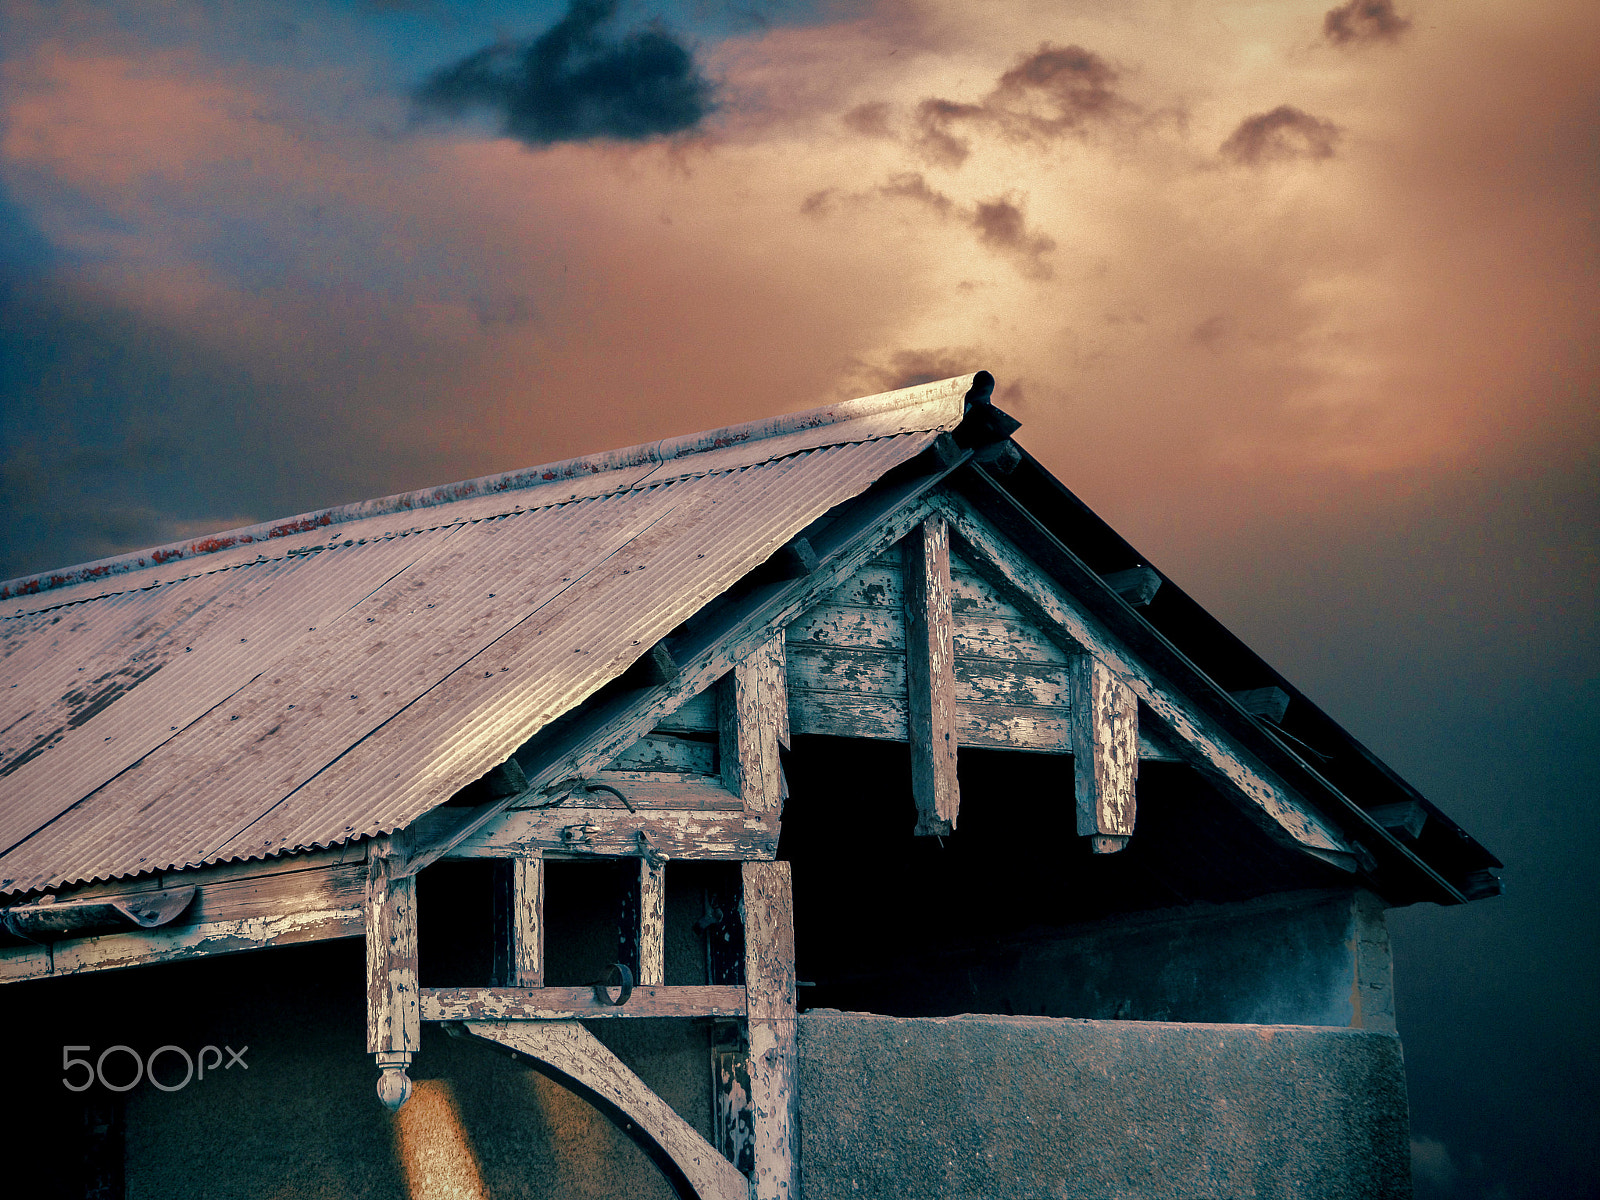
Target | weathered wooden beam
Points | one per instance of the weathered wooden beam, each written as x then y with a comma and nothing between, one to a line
662,753
752,722
614,832
930,678
774,1063
527,921
109,952
1268,703
236,907
1206,746
1104,718
580,1059
652,921
579,1003
1137,585
394,1019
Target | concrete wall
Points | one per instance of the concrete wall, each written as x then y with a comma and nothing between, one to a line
963,1108
1302,958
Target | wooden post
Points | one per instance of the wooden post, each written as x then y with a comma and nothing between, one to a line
394,1015
770,1010
652,921
527,922
752,722
1103,722
931,678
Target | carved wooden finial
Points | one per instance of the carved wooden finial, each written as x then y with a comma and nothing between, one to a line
394,1085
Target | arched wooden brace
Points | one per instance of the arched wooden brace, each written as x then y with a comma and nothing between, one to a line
575,1058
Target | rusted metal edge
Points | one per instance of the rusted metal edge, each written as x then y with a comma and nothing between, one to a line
942,400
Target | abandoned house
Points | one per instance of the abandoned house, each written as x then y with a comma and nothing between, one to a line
829,806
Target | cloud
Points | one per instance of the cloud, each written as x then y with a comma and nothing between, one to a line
575,82
1052,92
1000,224
910,185
907,368
870,119
1358,21
1283,133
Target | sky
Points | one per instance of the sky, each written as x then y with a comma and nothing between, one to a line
1300,298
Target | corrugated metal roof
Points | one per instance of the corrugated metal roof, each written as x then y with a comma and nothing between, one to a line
336,675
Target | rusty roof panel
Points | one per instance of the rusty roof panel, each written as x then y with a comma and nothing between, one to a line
374,665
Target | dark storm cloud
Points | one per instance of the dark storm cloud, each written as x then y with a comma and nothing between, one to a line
1000,224
1283,133
1363,21
1073,82
577,82
910,185
1048,94
870,120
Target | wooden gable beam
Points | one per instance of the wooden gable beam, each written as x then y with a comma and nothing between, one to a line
1202,743
1103,721
931,677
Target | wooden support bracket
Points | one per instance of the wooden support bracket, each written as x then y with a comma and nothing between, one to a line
394,1017
930,677
770,1001
1103,722
580,1060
